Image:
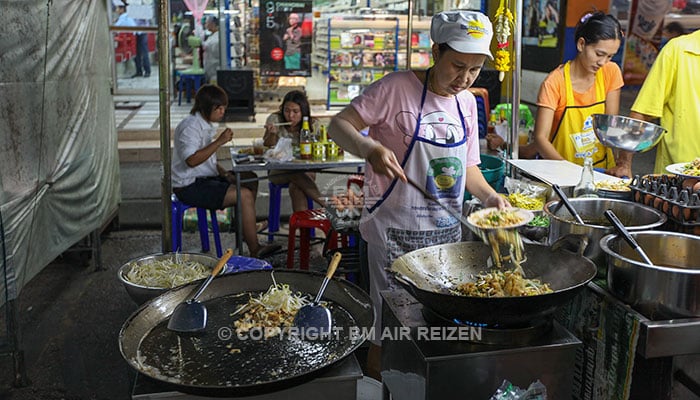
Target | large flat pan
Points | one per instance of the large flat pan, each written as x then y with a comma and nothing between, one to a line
218,362
431,274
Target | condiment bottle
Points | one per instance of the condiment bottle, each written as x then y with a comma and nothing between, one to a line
305,150
586,185
319,145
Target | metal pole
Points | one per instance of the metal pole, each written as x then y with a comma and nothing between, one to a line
515,104
164,85
409,33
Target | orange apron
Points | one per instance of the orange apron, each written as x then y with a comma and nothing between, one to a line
574,138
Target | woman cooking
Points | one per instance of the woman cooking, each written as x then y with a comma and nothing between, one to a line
423,127
573,92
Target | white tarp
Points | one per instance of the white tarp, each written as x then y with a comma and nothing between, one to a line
59,166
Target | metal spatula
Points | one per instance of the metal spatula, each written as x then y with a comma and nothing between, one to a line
191,315
314,319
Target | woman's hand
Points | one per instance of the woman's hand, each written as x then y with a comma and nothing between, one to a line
496,200
384,162
225,136
271,135
620,171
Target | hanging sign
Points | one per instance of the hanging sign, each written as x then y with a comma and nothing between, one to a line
642,44
285,38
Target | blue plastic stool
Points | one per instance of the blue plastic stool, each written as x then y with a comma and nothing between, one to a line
178,209
274,209
187,82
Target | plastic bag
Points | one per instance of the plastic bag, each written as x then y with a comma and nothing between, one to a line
526,194
282,152
508,391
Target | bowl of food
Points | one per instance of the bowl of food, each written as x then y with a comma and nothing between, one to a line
626,133
615,189
150,276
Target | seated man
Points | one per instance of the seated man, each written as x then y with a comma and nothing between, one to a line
198,179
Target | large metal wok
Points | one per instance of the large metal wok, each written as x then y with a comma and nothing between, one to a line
219,362
432,274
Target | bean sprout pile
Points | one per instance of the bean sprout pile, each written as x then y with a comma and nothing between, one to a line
271,311
166,274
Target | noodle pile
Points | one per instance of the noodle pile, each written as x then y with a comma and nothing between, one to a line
271,311
503,284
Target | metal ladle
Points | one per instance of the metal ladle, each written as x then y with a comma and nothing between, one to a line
610,215
567,203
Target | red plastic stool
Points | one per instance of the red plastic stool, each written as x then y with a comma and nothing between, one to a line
304,221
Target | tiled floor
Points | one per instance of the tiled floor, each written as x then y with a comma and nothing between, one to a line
138,112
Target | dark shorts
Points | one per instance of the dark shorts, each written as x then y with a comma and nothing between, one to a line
209,192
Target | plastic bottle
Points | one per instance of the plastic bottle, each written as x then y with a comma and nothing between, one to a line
586,185
305,140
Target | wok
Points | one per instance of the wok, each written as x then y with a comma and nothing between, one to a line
430,275
218,362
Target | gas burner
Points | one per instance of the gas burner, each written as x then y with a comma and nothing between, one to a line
497,334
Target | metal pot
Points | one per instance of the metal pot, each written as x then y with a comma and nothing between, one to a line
669,288
431,274
634,216
218,362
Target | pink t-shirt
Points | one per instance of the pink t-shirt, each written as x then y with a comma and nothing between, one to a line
390,107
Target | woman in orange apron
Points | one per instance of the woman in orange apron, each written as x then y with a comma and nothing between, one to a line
573,92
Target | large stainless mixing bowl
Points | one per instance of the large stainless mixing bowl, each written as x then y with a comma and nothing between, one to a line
669,288
635,216
141,294
626,133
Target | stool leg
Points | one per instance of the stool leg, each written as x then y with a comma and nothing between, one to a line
203,229
177,229
215,231
273,211
290,245
304,245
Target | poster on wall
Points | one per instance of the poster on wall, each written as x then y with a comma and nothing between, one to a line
541,20
543,29
642,44
286,29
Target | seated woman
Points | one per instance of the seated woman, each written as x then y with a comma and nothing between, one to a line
198,179
573,92
286,123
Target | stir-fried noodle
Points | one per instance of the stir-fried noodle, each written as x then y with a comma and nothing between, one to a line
503,284
271,311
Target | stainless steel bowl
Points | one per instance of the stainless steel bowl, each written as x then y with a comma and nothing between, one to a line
626,133
670,287
141,294
634,216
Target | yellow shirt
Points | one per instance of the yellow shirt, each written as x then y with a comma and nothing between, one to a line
671,91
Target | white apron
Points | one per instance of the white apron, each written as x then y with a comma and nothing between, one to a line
403,220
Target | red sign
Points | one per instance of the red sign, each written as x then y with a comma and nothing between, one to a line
276,54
